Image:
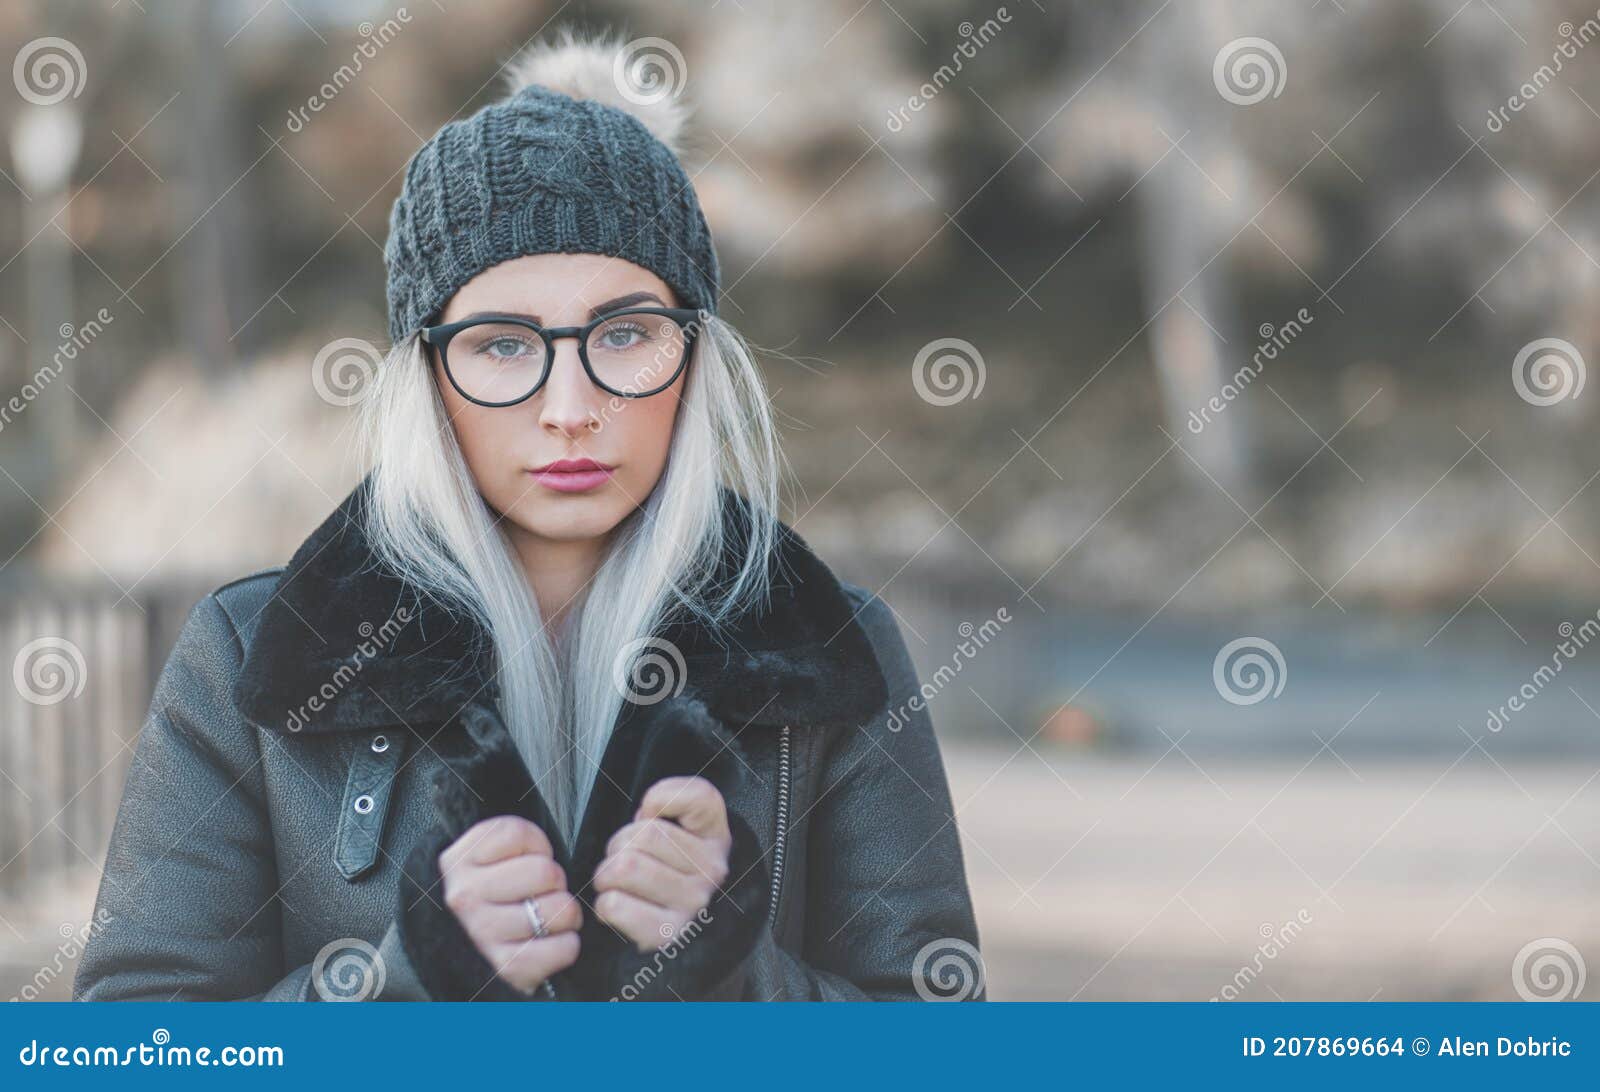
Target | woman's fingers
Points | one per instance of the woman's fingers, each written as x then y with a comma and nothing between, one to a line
647,924
526,963
667,864
638,873
693,802
509,923
487,873
506,881
494,839
674,846
659,870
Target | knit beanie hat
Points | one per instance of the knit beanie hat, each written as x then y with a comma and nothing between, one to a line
573,160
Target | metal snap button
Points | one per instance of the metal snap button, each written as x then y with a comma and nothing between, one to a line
363,804
380,744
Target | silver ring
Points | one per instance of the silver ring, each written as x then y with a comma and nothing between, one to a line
534,919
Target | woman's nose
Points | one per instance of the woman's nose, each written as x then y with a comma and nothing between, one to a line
568,398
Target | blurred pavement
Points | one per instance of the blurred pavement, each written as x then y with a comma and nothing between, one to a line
1151,878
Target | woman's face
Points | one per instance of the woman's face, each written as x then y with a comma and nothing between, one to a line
508,448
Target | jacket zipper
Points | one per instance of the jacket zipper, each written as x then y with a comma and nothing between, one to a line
781,835
548,986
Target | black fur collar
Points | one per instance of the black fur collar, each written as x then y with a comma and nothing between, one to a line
344,645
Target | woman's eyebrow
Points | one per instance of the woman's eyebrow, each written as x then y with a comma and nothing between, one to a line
630,300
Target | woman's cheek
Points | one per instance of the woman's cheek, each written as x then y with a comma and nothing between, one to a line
649,442
485,441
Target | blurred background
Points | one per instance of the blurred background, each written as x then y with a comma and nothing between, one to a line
1202,383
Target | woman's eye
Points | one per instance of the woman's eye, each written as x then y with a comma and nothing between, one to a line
504,348
621,337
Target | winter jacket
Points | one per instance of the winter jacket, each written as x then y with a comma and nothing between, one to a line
321,731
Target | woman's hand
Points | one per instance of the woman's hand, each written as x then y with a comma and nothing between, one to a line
487,873
663,868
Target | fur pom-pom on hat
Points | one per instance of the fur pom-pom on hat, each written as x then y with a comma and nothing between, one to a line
641,77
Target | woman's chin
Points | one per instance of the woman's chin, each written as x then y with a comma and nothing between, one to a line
571,517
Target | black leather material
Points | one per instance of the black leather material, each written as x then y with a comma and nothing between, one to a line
366,801
240,868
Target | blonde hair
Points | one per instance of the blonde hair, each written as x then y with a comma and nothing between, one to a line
428,522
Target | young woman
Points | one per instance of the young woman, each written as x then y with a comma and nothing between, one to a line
551,707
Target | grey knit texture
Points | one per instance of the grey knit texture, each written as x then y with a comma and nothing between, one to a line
538,173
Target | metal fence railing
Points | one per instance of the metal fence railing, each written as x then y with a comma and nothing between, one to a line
80,665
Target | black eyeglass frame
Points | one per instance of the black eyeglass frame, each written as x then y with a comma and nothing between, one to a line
687,318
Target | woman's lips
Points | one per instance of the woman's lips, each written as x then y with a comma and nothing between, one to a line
572,475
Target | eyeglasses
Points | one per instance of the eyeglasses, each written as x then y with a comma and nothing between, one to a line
500,360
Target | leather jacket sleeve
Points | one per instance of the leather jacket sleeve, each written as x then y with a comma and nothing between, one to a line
190,883
888,914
